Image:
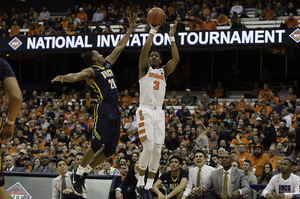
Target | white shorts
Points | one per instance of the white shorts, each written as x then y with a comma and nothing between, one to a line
151,123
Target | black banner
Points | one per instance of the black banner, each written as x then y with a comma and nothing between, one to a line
190,39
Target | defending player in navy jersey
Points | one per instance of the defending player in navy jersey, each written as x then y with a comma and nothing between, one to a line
176,180
9,82
106,129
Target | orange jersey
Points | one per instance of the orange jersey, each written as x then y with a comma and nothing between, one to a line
88,102
127,100
294,98
243,157
265,94
244,140
259,163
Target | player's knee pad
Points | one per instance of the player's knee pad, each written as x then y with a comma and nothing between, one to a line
148,146
154,161
109,151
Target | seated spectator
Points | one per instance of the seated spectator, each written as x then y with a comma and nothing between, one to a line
173,99
187,98
214,13
44,15
286,179
65,22
15,29
10,164
291,9
279,10
259,10
250,177
30,20
267,174
34,13
209,24
82,28
222,20
45,167
107,168
47,30
20,22
291,92
82,15
177,185
238,24
237,8
4,29
194,26
205,10
267,14
98,16
27,163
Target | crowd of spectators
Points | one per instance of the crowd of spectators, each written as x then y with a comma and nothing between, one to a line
197,15
257,134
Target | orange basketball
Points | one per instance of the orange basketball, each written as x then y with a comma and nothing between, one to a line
156,16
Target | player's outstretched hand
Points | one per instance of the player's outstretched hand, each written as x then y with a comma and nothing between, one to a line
155,27
58,78
132,21
8,132
173,30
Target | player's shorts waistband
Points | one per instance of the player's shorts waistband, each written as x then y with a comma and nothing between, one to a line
150,107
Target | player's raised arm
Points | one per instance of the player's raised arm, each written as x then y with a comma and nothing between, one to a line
74,77
171,65
144,56
112,58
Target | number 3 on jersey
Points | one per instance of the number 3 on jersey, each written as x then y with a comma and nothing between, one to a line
112,83
156,85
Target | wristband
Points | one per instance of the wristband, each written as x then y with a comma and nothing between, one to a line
172,38
119,189
152,31
10,122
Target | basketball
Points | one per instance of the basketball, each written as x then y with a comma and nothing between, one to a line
156,16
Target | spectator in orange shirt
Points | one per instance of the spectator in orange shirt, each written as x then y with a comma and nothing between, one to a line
265,93
173,99
15,29
65,22
66,129
238,140
194,26
205,10
220,90
291,93
82,15
241,103
272,156
33,30
88,99
258,161
222,20
268,14
126,99
209,24
256,90
291,22
27,163
243,155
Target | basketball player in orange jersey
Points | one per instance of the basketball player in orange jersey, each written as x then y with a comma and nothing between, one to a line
150,116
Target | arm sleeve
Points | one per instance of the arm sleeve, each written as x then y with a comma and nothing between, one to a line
188,188
270,187
55,192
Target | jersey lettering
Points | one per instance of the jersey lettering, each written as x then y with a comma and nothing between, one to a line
156,85
157,76
285,189
112,83
107,73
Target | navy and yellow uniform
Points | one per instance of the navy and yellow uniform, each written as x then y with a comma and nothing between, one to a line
5,71
106,129
174,181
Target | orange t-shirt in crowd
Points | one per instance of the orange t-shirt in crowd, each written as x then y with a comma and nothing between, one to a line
243,157
88,102
127,100
89,123
268,109
136,99
205,12
291,24
293,99
82,15
28,169
259,163
33,32
78,140
244,140
223,20
268,14
265,94
67,130
174,101
273,159
209,26
65,24
196,27
275,99
42,145
15,31
241,105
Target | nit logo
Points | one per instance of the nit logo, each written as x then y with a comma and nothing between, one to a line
295,35
17,191
15,43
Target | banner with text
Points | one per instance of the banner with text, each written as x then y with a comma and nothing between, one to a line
188,39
